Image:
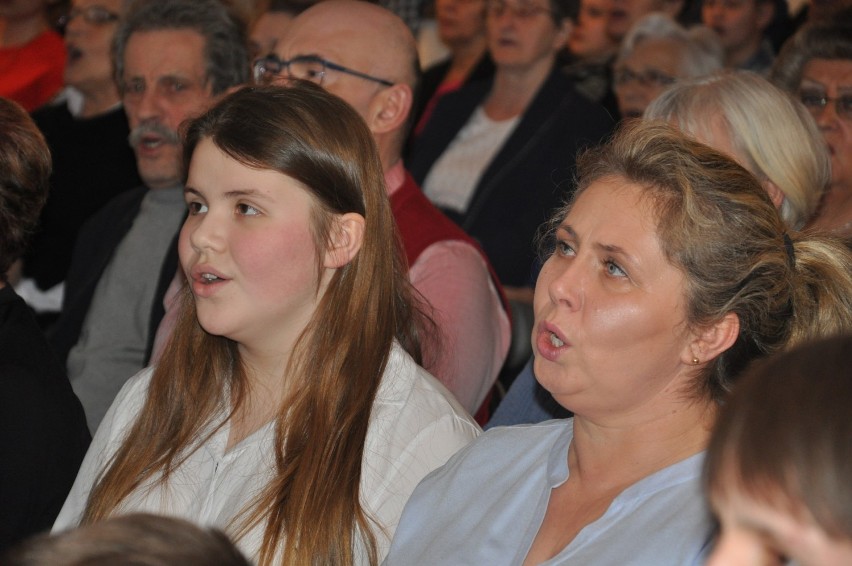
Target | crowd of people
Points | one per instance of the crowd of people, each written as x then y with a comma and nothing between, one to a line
265,277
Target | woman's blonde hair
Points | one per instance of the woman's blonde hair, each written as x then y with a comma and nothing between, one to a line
717,225
771,131
311,508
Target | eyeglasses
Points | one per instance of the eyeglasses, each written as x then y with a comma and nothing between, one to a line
521,10
816,101
94,14
651,77
305,67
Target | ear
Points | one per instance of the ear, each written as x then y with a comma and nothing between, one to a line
389,109
345,240
711,341
765,13
775,194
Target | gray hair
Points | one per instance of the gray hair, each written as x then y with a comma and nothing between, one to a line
701,52
225,47
813,41
760,121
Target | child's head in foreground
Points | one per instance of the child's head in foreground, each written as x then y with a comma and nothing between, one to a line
780,461
130,540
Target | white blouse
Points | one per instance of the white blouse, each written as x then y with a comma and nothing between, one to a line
453,178
415,426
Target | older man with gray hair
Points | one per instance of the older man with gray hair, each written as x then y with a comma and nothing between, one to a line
173,59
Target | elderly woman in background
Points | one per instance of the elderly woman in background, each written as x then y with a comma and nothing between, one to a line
816,65
745,116
87,134
496,155
671,271
655,54
43,433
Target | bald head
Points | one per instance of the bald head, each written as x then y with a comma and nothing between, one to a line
368,39
366,32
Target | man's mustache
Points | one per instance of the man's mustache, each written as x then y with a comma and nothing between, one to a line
168,136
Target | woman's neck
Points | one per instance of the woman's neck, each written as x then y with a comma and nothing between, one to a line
266,386
514,90
465,57
21,31
641,446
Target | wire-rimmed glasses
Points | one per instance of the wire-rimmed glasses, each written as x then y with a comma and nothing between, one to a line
305,67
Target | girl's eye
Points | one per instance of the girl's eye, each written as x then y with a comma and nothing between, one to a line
247,210
196,208
613,269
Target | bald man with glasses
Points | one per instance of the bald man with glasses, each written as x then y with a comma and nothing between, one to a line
367,56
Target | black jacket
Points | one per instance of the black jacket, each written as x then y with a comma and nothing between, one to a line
531,174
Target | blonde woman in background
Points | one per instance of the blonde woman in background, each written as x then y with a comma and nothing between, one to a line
745,116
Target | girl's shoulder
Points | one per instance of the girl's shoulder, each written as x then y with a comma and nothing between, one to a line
126,406
425,399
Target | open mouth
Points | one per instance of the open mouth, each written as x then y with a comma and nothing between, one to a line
151,141
555,341
74,54
208,278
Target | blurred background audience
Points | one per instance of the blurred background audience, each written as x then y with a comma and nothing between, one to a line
461,27
43,434
87,131
745,116
497,156
741,27
32,54
655,54
816,65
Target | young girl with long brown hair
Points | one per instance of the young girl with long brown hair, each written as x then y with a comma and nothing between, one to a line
288,408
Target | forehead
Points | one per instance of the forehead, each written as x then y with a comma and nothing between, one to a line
586,5
616,201
111,5
639,7
165,52
326,34
659,54
834,72
272,24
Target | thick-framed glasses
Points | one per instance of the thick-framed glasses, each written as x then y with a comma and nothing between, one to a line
305,67
94,14
521,10
816,101
651,77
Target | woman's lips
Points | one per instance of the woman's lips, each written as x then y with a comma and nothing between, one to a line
550,342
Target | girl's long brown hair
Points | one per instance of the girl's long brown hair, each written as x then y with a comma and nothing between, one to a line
311,508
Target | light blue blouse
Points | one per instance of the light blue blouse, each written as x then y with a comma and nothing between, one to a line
487,503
